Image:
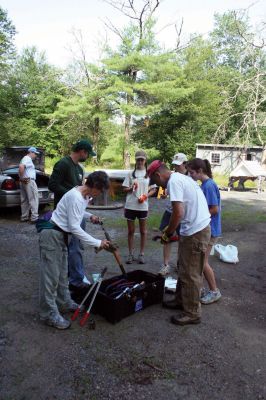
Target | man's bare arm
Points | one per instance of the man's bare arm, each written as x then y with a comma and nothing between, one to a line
176,217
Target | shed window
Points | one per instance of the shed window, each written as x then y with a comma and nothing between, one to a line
215,158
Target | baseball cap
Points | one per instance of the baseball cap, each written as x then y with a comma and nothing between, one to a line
154,166
33,150
179,158
84,145
140,154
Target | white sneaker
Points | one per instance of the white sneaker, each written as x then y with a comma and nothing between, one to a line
56,321
86,280
164,270
211,297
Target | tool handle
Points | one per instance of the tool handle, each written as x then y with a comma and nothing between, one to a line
75,315
87,295
118,259
84,319
94,295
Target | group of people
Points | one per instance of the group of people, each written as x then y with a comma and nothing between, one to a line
193,212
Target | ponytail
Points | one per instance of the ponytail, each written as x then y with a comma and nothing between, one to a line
208,168
197,163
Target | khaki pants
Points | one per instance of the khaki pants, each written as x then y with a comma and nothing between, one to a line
53,291
29,200
191,263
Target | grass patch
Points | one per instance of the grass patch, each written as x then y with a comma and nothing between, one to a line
242,214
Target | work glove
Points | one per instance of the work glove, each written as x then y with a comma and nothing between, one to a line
142,198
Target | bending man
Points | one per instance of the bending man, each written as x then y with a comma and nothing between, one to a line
190,210
65,220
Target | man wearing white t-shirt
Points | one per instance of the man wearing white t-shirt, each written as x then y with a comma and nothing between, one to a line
28,188
190,210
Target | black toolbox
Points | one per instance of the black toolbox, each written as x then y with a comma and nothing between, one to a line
116,306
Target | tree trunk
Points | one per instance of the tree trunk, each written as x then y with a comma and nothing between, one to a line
126,155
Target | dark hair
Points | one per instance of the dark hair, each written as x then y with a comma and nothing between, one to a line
98,180
146,167
197,163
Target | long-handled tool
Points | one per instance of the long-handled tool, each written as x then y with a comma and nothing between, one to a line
76,313
87,314
113,248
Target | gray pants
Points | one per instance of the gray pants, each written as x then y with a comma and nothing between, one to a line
54,290
29,200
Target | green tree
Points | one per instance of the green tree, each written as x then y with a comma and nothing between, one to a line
33,90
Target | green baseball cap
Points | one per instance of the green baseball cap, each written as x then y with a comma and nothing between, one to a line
84,145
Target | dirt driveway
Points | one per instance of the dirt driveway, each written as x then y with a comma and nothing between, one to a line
143,356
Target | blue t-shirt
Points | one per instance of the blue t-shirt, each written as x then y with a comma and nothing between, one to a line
212,194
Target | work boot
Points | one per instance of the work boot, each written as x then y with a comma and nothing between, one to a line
185,320
56,321
172,305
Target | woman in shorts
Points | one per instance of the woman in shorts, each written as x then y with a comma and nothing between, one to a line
136,185
201,170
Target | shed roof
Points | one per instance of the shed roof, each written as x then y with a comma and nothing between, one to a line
226,146
248,168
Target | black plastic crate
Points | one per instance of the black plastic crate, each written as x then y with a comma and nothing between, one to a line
116,309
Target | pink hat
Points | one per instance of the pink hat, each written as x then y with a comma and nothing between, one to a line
154,166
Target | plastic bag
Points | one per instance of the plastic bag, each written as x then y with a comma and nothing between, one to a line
228,254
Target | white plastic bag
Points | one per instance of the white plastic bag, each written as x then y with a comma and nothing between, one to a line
228,254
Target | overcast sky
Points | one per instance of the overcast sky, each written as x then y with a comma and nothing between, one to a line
48,24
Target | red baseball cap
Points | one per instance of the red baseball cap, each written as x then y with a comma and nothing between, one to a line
154,166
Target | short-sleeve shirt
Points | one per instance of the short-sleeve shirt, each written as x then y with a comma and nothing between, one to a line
212,194
196,216
143,188
29,171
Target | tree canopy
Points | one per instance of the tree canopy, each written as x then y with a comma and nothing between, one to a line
138,95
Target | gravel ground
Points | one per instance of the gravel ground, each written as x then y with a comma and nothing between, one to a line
143,356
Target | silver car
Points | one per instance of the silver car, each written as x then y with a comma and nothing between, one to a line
9,178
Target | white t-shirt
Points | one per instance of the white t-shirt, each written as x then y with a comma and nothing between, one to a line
69,213
29,171
196,212
132,202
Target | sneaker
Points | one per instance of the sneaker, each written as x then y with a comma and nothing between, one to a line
141,259
24,219
68,307
211,297
203,292
57,321
130,259
164,270
86,280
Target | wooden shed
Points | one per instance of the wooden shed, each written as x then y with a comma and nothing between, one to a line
225,157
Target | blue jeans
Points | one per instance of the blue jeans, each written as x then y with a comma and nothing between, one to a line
75,259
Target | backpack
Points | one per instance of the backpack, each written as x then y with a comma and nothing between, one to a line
43,222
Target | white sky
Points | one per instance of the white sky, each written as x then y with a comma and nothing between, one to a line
47,24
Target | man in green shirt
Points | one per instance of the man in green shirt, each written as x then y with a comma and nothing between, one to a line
68,173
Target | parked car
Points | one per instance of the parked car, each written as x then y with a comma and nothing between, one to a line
9,178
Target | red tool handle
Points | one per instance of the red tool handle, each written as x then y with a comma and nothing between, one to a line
84,319
75,315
